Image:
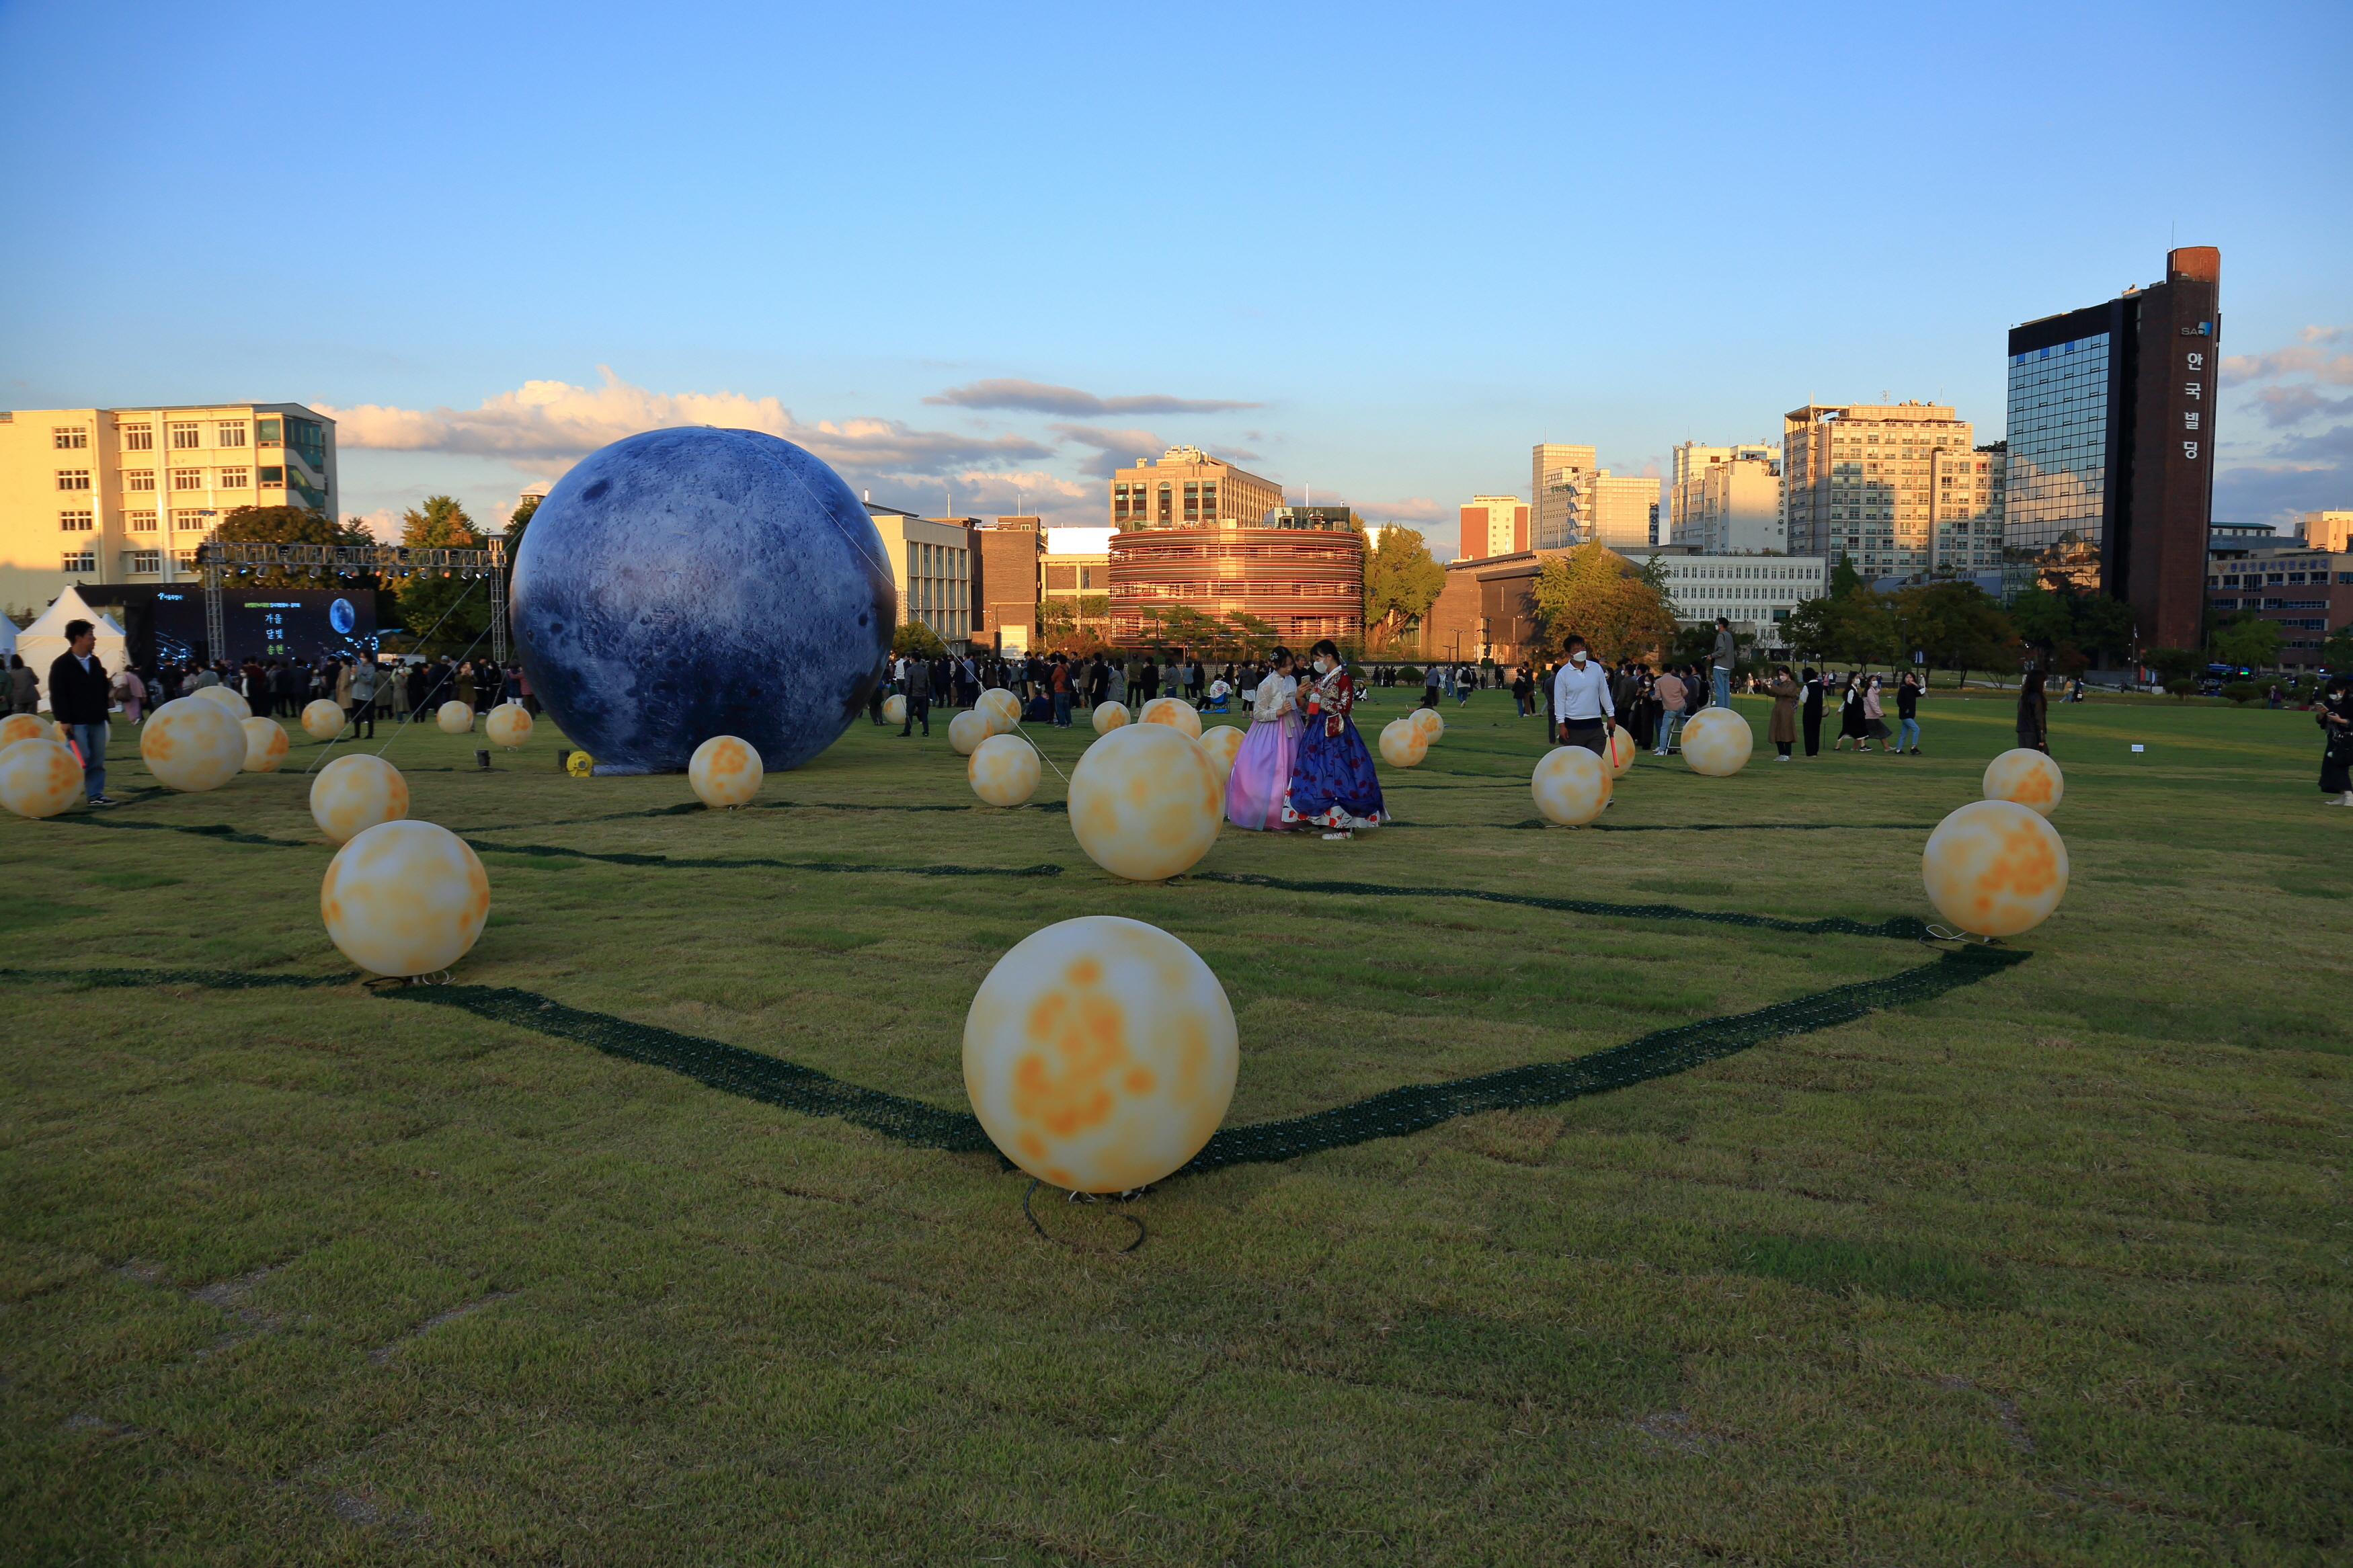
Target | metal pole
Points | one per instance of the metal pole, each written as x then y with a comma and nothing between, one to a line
216,630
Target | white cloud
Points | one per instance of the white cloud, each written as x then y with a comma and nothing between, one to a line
2306,356
1042,398
2289,467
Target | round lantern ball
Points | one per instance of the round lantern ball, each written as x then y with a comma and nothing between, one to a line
1003,770
894,709
1571,785
322,719
1403,745
1995,868
2028,777
192,745
1100,1054
454,718
1720,747
19,727
228,697
39,777
724,771
1109,716
265,745
1173,711
1621,750
693,582
508,724
1145,803
1223,742
1429,721
355,793
404,898
967,730
1001,709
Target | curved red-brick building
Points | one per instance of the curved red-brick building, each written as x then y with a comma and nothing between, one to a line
1306,581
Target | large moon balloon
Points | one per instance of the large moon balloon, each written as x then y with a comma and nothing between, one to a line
692,583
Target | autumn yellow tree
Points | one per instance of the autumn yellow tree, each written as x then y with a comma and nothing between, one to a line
1602,598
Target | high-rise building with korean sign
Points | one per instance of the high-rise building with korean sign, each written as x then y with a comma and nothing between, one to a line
2112,442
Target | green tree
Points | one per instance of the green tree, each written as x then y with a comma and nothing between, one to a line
2243,691
518,522
1401,581
444,614
916,640
1955,625
2337,653
1254,636
1593,592
2105,625
279,525
2176,667
1057,618
2044,618
2247,639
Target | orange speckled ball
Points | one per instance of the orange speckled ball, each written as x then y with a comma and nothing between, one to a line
509,725
1995,868
322,719
1571,785
1146,804
967,730
404,898
355,793
24,726
1403,745
1621,751
1223,742
2027,777
193,744
1109,716
1173,711
1429,721
1100,1054
1720,747
229,696
265,745
894,709
454,718
724,771
1003,770
1001,709
39,777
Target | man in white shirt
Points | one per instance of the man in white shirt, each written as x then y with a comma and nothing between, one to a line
1580,700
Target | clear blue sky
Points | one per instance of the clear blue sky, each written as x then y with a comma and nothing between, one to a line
1001,248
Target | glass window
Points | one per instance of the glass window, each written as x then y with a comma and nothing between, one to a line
266,431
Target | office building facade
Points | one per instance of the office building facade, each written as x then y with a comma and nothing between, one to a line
1494,525
1301,574
1896,488
1686,480
125,495
2111,455
1186,488
1732,502
1579,503
2306,590
930,566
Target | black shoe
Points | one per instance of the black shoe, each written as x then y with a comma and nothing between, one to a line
103,800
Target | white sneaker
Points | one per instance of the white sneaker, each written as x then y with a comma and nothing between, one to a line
1332,836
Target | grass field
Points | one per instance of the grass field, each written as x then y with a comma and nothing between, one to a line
2051,1269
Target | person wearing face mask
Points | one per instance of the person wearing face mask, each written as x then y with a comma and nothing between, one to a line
1332,785
1581,701
1263,767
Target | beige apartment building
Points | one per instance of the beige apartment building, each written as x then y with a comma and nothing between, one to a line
1898,489
1687,477
1577,503
125,495
2330,531
1733,504
1492,525
930,566
1186,488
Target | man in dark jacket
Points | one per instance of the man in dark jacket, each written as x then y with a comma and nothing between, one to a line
78,700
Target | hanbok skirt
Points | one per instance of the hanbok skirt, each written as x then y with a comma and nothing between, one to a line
1333,785
1262,773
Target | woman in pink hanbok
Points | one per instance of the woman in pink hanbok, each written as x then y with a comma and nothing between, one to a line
1263,767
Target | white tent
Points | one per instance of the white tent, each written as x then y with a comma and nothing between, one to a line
41,642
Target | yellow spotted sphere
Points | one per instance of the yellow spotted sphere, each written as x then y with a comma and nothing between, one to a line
454,718
2027,777
194,744
967,730
1100,1054
1003,770
404,898
894,709
228,697
1403,745
1571,785
1001,709
25,727
1429,721
1995,868
1621,750
355,793
1174,712
39,777
509,725
1109,716
265,745
724,771
1223,742
1720,747
322,719
1145,803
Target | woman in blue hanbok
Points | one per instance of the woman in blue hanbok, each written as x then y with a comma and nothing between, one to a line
1332,785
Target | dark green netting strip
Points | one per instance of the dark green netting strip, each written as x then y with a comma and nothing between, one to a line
1735,827
1904,927
205,979
220,830
677,862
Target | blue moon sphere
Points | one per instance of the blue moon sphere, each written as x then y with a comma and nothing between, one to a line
685,584
342,616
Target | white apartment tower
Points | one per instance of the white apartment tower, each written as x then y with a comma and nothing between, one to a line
1688,474
1896,488
1577,503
